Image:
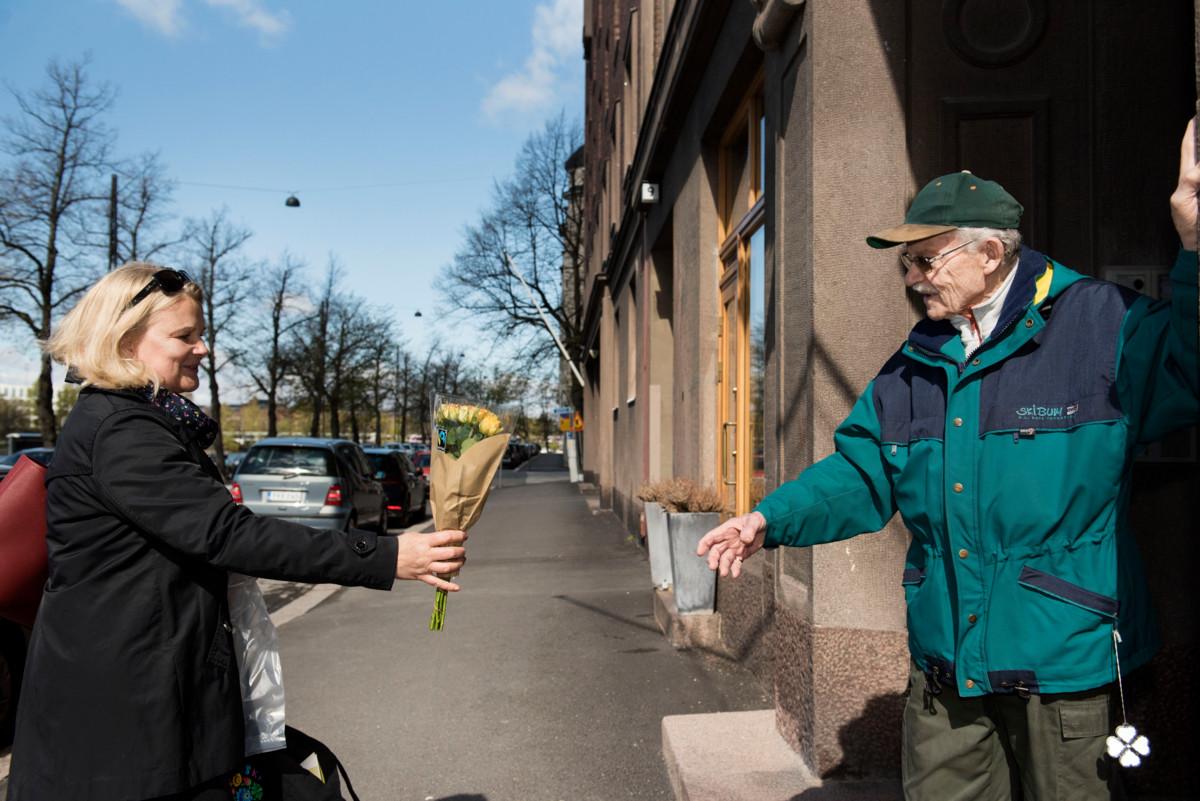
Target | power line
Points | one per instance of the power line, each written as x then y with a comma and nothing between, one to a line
359,187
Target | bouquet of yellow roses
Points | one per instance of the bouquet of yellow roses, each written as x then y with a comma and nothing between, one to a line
468,447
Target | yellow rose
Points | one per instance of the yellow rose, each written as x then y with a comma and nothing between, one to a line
489,425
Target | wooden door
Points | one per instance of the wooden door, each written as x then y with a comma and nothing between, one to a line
730,370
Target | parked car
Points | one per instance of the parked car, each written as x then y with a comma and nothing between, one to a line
232,460
406,487
40,455
515,454
324,483
421,460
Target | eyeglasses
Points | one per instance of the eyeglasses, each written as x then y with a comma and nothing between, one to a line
927,263
169,281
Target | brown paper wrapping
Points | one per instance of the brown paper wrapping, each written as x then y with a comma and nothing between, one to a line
459,487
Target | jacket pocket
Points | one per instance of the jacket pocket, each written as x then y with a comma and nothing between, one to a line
913,576
220,653
1066,591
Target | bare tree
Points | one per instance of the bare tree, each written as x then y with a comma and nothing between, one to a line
402,392
143,197
351,332
214,243
59,147
263,356
308,348
534,221
379,371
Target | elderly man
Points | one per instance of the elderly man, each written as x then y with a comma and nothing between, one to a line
1003,431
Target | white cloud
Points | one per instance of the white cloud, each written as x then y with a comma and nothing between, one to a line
252,14
164,16
556,35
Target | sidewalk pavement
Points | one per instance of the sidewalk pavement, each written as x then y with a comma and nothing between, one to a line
550,680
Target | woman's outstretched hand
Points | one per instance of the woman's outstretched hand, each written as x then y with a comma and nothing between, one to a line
427,557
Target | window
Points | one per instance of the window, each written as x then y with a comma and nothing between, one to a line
387,464
280,459
631,344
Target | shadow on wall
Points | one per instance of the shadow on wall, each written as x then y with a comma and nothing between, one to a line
870,748
865,741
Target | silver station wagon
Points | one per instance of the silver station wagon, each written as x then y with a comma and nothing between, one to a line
324,483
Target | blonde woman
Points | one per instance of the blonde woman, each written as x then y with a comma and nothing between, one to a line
132,688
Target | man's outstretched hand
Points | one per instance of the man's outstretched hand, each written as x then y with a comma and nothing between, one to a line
733,541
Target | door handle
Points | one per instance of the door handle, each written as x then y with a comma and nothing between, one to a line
726,452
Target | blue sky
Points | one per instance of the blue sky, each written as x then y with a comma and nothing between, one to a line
327,100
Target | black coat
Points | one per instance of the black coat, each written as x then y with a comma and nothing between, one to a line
131,687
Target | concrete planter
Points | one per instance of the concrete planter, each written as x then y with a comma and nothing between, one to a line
695,584
658,543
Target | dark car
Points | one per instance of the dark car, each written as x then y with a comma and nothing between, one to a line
514,454
406,488
323,483
40,455
421,461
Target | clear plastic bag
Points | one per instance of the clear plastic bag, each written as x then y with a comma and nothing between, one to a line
257,647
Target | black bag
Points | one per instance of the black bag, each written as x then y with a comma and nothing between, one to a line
279,775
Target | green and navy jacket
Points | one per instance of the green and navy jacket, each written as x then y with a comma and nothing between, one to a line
1011,469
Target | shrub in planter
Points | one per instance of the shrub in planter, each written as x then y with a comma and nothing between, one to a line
658,542
692,510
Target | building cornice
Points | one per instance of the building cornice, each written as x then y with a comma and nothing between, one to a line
691,31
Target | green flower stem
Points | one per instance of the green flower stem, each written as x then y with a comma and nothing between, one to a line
438,618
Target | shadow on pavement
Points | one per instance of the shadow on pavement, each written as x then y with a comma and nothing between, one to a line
608,614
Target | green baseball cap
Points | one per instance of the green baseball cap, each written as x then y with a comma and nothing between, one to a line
957,200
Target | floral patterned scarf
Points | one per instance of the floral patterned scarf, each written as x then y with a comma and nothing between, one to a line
188,414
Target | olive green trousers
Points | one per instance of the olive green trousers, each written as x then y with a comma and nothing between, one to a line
1001,747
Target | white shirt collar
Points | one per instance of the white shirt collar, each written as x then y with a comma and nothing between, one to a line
986,315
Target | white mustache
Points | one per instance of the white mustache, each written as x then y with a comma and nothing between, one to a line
924,288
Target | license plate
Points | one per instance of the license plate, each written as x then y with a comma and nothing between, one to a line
283,496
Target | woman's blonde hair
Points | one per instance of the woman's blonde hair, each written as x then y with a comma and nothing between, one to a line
91,338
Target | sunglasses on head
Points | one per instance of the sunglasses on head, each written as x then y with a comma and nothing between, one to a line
169,281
